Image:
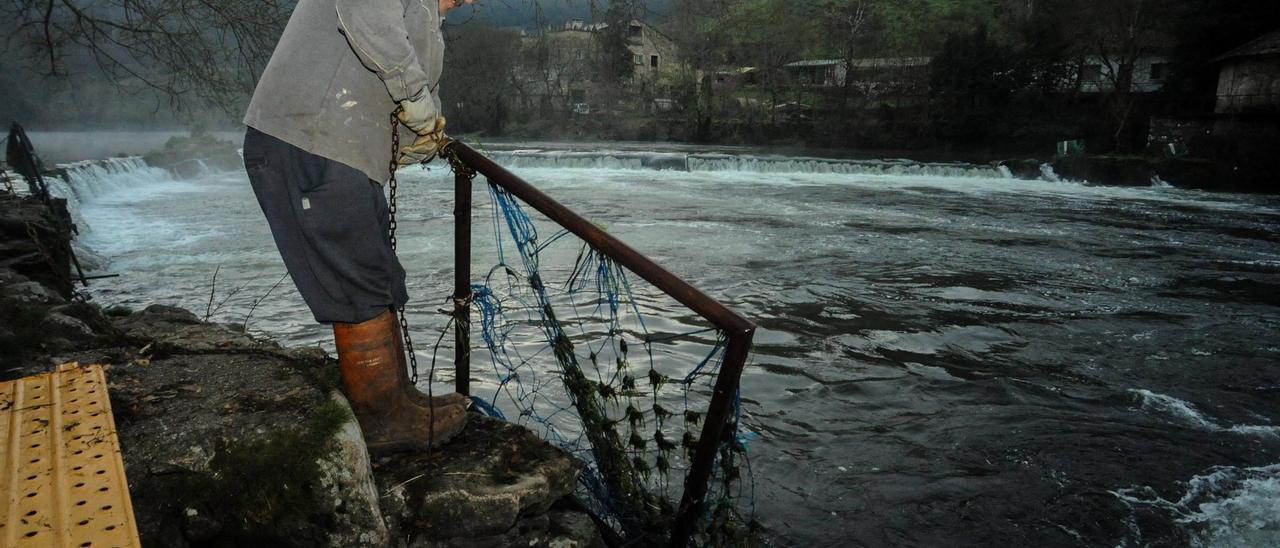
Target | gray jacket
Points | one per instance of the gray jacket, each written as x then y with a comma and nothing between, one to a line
338,72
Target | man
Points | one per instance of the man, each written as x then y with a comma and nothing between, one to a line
317,151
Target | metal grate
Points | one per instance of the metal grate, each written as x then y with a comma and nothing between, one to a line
62,480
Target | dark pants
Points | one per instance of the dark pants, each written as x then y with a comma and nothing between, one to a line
330,224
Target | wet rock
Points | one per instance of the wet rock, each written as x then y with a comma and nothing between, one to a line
195,155
30,293
477,489
67,328
35,241
175,330
347,478
227,444
573,529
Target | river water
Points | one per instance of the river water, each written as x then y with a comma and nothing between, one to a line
946,355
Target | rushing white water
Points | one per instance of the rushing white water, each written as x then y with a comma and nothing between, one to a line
90,180
1186,413
940,345
680,161
1228,506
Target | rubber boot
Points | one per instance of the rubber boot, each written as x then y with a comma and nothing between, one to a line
372,376
452,398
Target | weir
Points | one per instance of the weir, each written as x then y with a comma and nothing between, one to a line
704,162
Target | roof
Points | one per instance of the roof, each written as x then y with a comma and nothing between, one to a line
1267,45
815,63
892,62
875,62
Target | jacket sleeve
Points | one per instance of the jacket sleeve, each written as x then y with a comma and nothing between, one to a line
376,32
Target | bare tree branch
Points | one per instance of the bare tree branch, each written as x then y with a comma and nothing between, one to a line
203,52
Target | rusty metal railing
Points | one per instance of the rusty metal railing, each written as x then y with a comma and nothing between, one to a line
738,331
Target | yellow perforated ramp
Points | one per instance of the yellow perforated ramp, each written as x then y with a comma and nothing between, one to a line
62,481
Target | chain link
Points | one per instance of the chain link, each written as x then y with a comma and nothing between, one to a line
391,208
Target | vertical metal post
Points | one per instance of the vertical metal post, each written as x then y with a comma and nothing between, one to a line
462,281
695,484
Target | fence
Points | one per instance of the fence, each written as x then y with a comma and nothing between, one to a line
736,330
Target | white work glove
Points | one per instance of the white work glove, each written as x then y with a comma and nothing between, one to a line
420,116
425,146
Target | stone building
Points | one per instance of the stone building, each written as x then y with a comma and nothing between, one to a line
1249,77
565,69
652,52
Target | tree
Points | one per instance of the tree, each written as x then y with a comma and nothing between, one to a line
478,81
845,22
969,83
614,39
206,51
767,35
1119,33
695,28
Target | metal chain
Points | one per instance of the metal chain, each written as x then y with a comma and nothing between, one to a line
391,208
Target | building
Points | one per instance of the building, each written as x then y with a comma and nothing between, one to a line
818,72
565,68
873,77
1099,75
1249,77
652,52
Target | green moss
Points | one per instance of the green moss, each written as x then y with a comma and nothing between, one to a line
327,376
267,480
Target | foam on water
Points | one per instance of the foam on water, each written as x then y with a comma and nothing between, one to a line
1186,413
88,181
893,252
1228,506
676,161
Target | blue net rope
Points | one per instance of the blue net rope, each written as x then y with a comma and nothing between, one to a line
562,358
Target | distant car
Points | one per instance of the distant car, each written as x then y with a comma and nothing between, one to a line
581,108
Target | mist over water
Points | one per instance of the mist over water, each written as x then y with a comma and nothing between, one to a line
946,355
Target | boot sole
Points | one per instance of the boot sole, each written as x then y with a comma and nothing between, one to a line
383,448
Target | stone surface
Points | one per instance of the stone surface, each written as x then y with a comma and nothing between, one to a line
554,529
44,258
477,487
31,293
230,440
66,328
233,441
194,155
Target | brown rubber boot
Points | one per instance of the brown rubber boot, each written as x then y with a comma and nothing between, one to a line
390,419
452,398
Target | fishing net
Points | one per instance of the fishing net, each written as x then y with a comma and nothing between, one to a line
597,366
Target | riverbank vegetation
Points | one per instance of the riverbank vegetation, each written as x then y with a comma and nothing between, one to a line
963,76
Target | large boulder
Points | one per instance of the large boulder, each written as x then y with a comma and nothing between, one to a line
196,154
35,240
232,441
494,486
